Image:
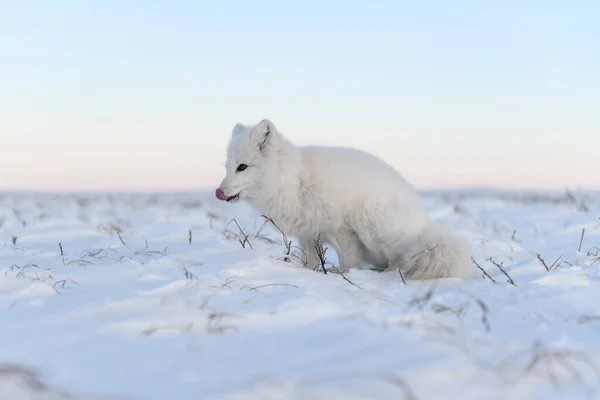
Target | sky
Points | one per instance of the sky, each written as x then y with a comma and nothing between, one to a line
125,95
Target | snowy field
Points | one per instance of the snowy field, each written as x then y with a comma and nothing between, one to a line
164,297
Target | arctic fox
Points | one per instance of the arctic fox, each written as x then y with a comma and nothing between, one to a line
343,197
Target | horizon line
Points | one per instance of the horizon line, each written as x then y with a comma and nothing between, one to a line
200,189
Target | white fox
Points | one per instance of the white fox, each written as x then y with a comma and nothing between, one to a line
346,198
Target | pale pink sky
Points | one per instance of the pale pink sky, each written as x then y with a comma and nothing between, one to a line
155,153
145,99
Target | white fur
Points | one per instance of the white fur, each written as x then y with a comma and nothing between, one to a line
344,197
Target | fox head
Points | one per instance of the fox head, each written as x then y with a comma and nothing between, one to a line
251,151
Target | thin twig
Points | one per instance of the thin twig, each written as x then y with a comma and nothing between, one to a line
509,279
63,282
343,274
483,270
62,253
321,254
404,281
539,257
287,243
243,243
555,262
484,313
120,238
581,240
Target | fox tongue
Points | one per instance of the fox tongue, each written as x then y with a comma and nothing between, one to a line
219,194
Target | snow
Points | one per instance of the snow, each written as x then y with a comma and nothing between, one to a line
154,296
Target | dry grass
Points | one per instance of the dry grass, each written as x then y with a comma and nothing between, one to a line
244,238
31,271
114,228
501,268
289,255
555,265
485,274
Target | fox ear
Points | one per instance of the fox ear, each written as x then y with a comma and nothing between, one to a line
265,130
238,128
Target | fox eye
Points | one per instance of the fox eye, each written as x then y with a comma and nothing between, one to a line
242,167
